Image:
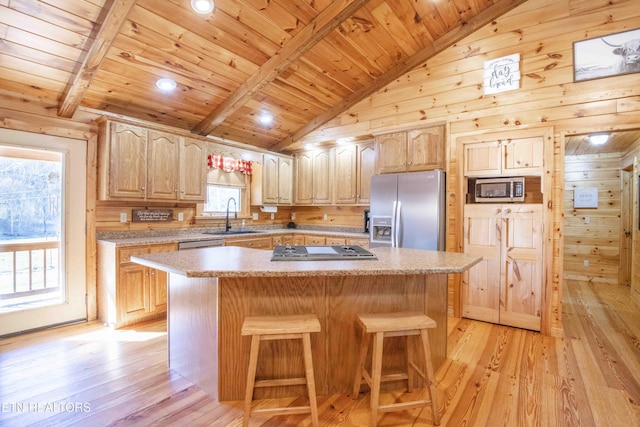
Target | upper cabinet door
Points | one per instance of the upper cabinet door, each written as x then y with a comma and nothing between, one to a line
366,168
482,158
391,150
270,180
127,173
304,178
523,156
425,149
162,175
285,180
345,174
322,176
193,170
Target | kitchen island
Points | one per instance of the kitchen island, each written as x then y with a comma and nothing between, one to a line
212,290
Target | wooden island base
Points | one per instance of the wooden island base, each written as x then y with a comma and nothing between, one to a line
206,315
212,290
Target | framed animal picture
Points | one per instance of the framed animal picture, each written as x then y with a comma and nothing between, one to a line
606,56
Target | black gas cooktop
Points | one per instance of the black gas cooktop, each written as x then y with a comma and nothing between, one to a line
321,253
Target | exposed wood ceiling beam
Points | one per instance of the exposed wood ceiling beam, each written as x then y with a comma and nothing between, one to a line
111,24
450,38
328,20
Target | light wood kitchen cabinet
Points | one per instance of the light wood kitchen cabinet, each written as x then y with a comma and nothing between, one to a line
139,164
391,152
313,177
314,240
346,178
297,240
506,286
162,159
365,169
364,243
251,242
426,149
507,157
282,239
193,170
335,241
410,151
122,157
277,180
127,292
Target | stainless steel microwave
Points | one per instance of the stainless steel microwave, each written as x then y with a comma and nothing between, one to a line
503,189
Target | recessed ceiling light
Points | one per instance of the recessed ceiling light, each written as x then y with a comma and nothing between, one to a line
598,138
202,6
265,118
166,84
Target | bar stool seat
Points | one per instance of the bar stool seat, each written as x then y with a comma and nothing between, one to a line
262,328
407,324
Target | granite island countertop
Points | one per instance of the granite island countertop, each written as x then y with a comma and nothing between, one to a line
232,261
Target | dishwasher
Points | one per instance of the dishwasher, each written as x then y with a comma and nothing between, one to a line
197,244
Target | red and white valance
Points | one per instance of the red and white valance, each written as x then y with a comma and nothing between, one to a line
229,164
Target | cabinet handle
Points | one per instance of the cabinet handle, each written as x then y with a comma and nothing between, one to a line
497,211
507,211
142,188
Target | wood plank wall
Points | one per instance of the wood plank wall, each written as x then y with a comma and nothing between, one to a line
593,235
448,88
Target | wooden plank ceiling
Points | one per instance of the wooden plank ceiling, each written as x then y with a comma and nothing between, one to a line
302,61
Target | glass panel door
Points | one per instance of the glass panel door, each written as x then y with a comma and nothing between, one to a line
42,217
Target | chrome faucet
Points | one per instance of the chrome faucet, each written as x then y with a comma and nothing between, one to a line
227,226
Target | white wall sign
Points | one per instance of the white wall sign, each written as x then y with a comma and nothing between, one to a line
585,198
502,74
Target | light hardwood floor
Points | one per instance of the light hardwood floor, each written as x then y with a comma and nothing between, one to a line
88,375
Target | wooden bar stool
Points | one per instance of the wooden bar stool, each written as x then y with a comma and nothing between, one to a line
393,325
262,328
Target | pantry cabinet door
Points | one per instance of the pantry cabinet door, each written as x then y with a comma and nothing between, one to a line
481,283
521,293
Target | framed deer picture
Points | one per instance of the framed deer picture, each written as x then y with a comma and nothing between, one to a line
606,56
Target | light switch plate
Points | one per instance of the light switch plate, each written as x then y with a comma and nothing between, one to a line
273,216
326,217
123,217
255,216
180,216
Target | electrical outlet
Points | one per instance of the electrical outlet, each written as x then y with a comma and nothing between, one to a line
123,217
293,216
273,216
180,216
585,263
587,220
254,216
326,217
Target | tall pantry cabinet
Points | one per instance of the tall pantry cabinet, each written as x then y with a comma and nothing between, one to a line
509,286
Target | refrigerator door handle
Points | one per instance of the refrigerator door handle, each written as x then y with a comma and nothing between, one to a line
396,224
393,223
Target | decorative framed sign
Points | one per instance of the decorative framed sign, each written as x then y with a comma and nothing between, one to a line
151,215
502,74
606,56
585,198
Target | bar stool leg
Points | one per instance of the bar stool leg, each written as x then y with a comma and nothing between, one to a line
426,349
376,375
409,362
311,382
251,378
362,356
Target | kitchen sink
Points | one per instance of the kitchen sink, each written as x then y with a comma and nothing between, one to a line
231,232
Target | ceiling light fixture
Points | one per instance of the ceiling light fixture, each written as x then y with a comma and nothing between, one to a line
265,118
202,6
166,85
598,138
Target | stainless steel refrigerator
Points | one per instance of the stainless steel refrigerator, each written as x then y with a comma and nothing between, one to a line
408,210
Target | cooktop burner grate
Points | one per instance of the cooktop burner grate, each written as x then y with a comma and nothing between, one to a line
321,253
